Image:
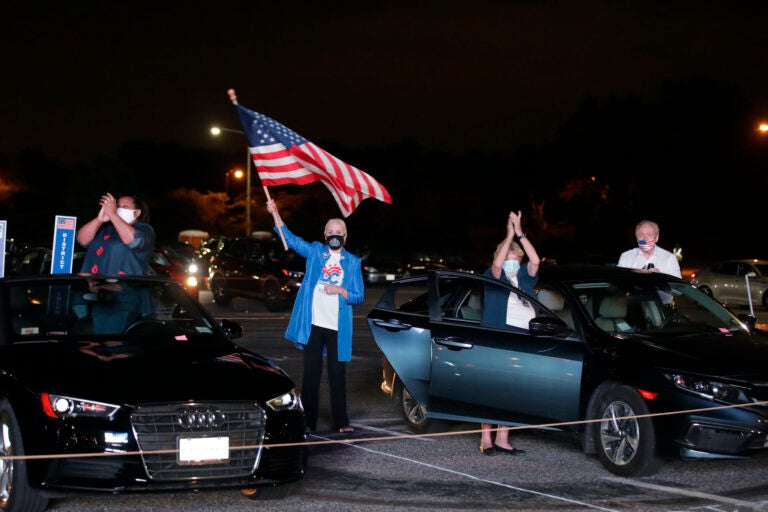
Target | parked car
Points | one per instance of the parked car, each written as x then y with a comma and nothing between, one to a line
727,281
165,261
639,366
422,265
380,270
31,259
257,268
183,254
127,384
207,248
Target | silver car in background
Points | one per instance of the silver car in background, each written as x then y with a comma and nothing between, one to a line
726,281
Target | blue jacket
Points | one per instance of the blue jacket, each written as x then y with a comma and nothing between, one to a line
300,323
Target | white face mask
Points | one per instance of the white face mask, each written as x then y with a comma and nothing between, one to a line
127,215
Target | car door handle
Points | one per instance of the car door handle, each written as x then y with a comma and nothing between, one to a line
452,342
392,324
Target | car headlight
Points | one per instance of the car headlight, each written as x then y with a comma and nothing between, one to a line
286,402
191,282
62,407
192,268
708,388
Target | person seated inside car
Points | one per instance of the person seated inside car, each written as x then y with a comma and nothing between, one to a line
115,306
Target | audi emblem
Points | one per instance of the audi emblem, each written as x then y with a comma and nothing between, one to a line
200,418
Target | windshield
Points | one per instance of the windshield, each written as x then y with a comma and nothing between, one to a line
652,307
89,306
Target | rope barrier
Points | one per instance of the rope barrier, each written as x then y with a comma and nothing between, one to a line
348,440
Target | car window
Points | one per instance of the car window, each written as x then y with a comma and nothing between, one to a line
746,268
407,297
96,306
729,268
653,307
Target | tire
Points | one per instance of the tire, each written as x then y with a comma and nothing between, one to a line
415,414
626,444
271,492
220,291
15,491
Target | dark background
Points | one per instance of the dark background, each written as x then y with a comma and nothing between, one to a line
588,116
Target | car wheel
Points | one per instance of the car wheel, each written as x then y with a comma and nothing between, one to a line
15,492
626,443
220,291
270,492
414,413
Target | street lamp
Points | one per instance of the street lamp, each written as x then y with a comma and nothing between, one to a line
238,174
216,131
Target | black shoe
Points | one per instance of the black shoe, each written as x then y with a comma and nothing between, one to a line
513,451
488,451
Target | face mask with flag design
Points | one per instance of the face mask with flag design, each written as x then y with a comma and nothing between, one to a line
646,245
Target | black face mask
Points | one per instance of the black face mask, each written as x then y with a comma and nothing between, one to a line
335,241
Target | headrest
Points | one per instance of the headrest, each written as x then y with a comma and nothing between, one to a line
614,306
552,299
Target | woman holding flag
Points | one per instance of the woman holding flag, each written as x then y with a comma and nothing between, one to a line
321,321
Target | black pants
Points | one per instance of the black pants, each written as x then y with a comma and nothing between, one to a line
320,337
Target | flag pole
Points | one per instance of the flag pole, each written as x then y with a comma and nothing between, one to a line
233,99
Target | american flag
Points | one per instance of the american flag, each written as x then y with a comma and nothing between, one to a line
65,223
283,157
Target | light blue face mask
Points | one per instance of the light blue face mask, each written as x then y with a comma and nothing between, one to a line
511,267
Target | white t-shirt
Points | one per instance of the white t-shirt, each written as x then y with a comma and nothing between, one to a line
518,312
325,308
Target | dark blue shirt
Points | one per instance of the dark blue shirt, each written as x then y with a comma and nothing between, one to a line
108,255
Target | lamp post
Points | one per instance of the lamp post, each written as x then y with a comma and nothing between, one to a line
216,131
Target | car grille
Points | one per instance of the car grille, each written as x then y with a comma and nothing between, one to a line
158,427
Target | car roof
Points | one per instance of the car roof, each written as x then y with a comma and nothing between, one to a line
584,272
590,272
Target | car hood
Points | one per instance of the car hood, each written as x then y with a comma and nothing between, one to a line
131,373
732,355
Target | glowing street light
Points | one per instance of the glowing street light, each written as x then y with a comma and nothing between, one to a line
237,174
216,131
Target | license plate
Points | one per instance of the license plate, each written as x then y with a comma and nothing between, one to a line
390,277
198,450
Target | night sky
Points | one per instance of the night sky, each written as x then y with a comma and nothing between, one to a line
452,76
78,81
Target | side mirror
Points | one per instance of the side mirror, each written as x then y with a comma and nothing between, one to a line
232,329
749,320
548,326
